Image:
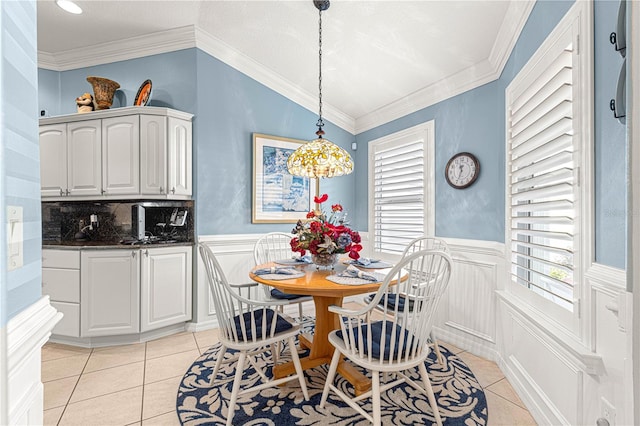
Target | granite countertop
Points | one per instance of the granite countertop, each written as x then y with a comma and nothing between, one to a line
101,245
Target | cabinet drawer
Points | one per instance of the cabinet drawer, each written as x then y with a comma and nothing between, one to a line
62,285
65,259
69,325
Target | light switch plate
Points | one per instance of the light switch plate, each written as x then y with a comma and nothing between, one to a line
15,237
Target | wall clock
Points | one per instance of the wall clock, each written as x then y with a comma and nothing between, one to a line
462,170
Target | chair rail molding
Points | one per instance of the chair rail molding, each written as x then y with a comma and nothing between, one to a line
27,332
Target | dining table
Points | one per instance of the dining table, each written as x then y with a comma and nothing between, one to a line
325,293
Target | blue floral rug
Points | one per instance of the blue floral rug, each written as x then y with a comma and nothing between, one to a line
460,397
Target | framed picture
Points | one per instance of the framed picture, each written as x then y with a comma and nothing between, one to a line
278,197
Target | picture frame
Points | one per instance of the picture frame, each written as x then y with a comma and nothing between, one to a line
278,197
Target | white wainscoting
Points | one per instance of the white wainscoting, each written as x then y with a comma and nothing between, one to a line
27,332
560,381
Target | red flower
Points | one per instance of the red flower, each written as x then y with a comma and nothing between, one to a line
321,199
315,227
336,208
311,214
355,237
353,251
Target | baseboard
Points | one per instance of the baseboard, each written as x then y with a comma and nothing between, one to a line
27,332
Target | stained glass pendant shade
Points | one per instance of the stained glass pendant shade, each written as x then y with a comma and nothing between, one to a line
320,157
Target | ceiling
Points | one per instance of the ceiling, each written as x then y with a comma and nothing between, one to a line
381,59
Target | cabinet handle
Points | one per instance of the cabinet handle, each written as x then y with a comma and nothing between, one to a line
146,253
133,254
102,191
61,192
161,190
173,190
67,192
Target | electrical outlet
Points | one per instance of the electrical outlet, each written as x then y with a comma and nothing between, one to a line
607,411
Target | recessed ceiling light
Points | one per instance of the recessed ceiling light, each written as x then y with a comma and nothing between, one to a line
69,6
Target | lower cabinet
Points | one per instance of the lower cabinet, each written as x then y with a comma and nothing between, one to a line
118,291
165,279
110,292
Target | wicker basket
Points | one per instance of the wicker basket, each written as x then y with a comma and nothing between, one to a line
103,91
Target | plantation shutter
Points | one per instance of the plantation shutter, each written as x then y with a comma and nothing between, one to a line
399,195
542,186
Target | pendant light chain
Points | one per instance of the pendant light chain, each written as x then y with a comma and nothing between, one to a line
320,122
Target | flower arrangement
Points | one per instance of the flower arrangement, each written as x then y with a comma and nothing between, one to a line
323,235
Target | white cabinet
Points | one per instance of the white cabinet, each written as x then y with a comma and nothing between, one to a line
110,292
61,282
179,157
131,152
70,159
165,156
165,287
84,146
53,160
153,155
110,303
121,155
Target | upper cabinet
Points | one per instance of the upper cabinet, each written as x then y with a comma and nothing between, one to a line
133,152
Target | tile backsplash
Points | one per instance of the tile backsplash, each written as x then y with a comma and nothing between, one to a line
71,220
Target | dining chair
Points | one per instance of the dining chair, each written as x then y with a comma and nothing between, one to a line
249,327
398,342
269,248
417,244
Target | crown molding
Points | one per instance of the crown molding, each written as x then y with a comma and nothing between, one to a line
241,62
467,79
122,50
191,36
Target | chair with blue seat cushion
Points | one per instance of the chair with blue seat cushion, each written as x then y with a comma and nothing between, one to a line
249,327
417,244
269,248
400,341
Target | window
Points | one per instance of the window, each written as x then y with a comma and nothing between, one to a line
401,188
548,157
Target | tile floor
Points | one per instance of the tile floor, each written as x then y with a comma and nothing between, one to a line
136,384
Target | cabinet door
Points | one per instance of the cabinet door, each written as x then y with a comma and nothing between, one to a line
179,157
153,154
121,155
165,287
84,152
53,160
109,295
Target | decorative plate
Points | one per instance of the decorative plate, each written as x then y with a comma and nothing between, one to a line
144,93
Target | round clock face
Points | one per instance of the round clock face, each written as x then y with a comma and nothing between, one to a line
462,170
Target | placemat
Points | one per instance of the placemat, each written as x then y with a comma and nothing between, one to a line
372,265
291,262
354,280
278,277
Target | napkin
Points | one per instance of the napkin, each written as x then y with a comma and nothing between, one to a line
304,259
364,261
356,273
276,270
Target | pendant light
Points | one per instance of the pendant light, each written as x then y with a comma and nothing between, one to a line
320,158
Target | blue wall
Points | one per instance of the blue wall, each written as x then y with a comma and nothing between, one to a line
229,107
475,121
19,153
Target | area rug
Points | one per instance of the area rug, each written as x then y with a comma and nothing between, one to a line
460,397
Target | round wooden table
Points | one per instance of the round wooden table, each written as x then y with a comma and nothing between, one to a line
325,293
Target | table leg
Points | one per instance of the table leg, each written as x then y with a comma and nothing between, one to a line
321,350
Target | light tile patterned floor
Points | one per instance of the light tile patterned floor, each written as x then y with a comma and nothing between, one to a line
137,384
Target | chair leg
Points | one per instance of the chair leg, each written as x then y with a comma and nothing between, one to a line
300,312
221,354
330,375
430,395
275,352
436,348
296,362
236,387
375,398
